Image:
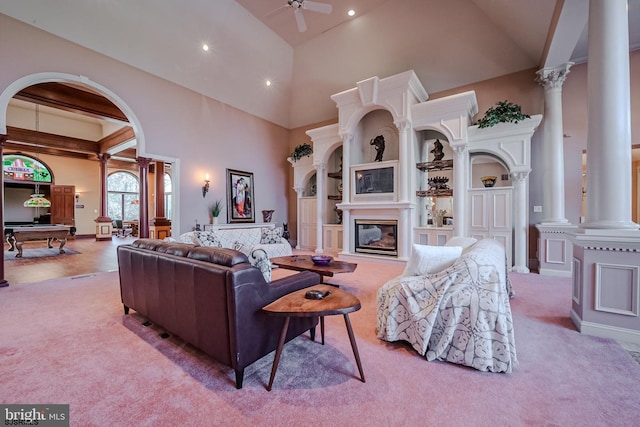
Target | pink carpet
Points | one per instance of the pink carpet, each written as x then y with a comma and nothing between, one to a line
67,341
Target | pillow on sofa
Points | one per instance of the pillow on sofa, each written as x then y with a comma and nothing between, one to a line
257,257
427,259
271,235
463,242
207,238
260,260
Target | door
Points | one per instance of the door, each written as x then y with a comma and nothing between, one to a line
62,204
308,228
491,216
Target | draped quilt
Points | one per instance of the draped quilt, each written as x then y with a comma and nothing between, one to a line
460,315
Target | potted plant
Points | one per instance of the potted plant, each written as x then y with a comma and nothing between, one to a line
216,209
502,112
302,150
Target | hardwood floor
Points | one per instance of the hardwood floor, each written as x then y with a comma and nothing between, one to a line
93,257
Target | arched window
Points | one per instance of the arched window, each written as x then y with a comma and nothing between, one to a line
124,193
167,195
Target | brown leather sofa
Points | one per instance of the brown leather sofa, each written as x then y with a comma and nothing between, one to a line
209,297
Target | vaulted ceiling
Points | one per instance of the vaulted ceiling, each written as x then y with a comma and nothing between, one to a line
447,43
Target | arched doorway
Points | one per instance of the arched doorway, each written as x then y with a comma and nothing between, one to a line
52,143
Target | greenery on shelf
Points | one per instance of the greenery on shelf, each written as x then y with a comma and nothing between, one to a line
503,112
216,208
302,150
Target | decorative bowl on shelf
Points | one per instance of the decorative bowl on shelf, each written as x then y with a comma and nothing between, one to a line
321,259
489,181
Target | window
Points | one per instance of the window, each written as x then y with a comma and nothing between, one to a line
167,195
123,196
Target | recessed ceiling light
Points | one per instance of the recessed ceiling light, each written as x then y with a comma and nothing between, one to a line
267,82
205,47
351,12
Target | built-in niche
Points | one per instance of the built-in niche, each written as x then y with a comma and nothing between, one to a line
378,139
310,188
332,214
485,165
435,178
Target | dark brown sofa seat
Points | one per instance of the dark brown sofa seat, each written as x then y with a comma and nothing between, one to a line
209,297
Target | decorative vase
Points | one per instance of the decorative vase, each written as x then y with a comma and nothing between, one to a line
216,220
267,215
437,218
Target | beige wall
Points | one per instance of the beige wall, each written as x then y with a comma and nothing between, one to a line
207,136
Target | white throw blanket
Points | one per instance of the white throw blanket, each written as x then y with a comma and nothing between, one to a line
460,315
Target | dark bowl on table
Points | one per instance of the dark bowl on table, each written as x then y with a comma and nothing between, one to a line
321,259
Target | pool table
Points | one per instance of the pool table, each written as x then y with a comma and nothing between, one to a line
16,236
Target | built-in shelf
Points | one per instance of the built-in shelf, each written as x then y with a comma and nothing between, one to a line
435,193
332,197
336,175
439,165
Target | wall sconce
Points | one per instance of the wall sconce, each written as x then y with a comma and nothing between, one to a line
77,198
205,187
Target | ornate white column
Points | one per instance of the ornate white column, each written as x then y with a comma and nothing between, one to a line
405,163
461,180
551,79
299,192
609,138
606,248
347,138
520,222
321,201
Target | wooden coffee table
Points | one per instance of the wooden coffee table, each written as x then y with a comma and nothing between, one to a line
304,263
296,305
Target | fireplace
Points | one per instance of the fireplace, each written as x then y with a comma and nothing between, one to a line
378,237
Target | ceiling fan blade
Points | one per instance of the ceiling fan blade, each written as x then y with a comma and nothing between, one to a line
317,7
302,26
274,11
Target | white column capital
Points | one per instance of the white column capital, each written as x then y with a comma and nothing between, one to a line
519,177
403,125
346,137
459,150
554,77
320,167
299,191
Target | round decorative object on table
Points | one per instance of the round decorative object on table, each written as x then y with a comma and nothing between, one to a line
488,181
321,259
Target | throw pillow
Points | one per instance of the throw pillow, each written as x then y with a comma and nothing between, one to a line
427,259
241,247
463,242
271,235
260,259
207,238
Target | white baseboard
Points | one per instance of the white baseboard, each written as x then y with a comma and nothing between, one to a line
605,331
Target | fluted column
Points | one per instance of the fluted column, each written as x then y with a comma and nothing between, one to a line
143,163
3,281
347,138
520,222
321,201
299,192
104,195
460,180
609,137
551,79
405,162
160,219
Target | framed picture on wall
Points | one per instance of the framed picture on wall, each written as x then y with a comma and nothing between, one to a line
240,200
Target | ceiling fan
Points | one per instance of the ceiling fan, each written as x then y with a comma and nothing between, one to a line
299,5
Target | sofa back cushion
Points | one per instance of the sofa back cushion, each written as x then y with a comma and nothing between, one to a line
221,256
427,259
